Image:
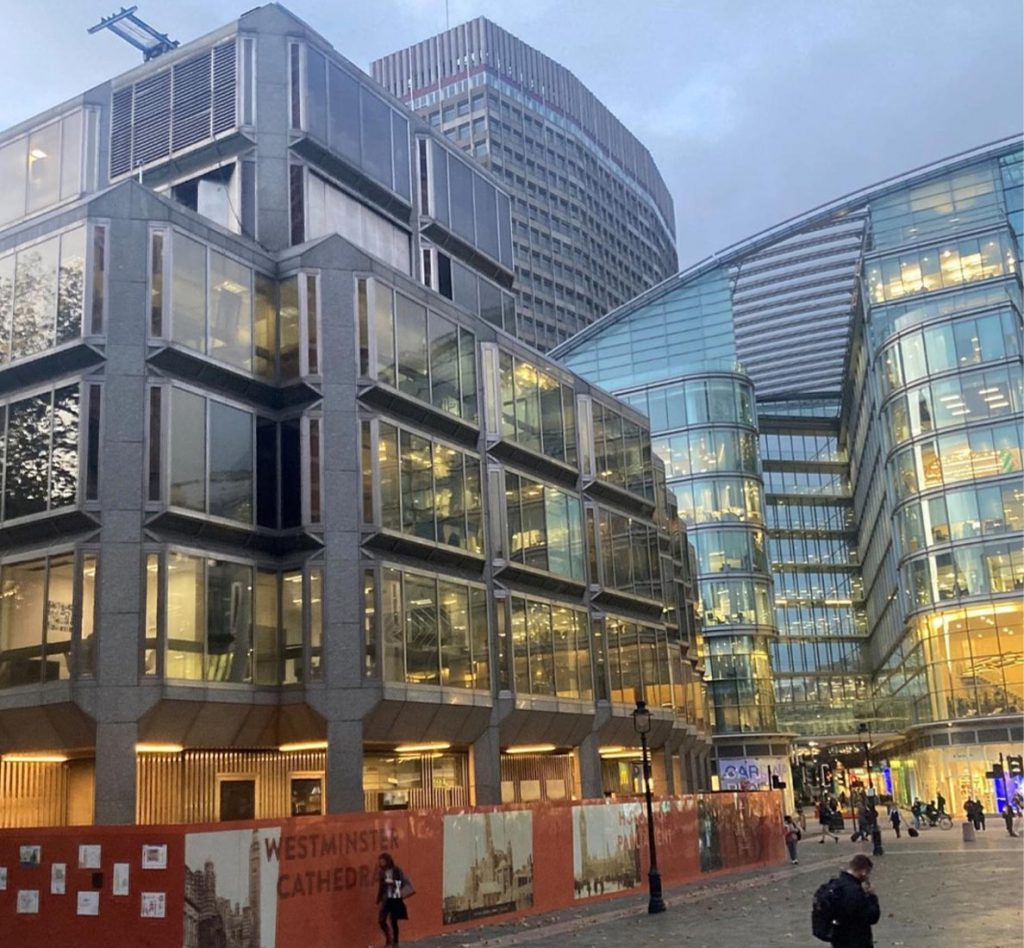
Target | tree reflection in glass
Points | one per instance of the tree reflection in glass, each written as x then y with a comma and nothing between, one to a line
28,456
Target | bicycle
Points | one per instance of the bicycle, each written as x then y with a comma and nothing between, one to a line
943,821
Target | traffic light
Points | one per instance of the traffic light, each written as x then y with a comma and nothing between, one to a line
1015,765
778,784
996,773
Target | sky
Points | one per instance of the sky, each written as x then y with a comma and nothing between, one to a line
755,110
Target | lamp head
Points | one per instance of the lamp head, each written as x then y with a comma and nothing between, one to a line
641,718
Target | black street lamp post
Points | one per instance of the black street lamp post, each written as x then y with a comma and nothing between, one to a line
642,724
865,730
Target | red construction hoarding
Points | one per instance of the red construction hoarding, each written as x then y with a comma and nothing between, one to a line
311,881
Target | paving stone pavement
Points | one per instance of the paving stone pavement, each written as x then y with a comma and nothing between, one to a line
935,892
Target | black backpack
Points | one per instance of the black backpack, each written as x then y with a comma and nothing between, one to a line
824,909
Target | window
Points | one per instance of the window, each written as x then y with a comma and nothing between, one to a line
423,354
467,203
427,489
537,410
622,452
353,121
43,300
225,620
551,649
211,456
43,168
433,631
544,527
42,467
46,627
211,303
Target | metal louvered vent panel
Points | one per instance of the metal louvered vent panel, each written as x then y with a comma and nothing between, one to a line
173,109
121,133
224,86
193,84
152,126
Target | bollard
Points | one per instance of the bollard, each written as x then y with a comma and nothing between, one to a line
968,831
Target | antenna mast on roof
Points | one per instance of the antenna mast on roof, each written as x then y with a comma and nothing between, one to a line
136,32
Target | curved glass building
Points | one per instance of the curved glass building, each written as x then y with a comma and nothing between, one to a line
882,336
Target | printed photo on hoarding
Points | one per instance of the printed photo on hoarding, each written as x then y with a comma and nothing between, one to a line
30,856
606,848
230,889
154,856
154,905
28,902
488,864
58,878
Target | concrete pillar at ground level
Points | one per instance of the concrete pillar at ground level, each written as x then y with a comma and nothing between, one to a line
487,767
591,784
115,772
345,767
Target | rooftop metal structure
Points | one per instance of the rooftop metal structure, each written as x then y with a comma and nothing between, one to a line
136,32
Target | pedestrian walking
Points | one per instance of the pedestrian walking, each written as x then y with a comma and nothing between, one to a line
827,813
1008,817
846,907
971,810
801,820
895,817
916,809
979,814
876,832
390,898
791,833
941,801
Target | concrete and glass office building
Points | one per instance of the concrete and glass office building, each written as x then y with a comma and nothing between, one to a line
881,334
288,525
593,222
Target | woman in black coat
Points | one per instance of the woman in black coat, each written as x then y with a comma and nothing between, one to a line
389,897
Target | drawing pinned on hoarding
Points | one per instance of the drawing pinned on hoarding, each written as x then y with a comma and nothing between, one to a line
89,857
88,903
231,875
606,848
154,856
488,864
3,878
58,878
154,905
28,902
122,874
29,857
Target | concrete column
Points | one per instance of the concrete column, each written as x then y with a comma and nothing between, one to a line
487,767
591,783
344,766
115,772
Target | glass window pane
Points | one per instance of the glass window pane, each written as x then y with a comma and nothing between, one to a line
421,639
26,487
443,340
230,311
228,621
64,470
186,616
265,638
461,191
35,298
231,462
71,156
291,626
344,113
188,292
71,285
456,654
188,450
44,167
59,612
21,624
376,136
411,336
13,169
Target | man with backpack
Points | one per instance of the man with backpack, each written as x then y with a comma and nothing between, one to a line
846,907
